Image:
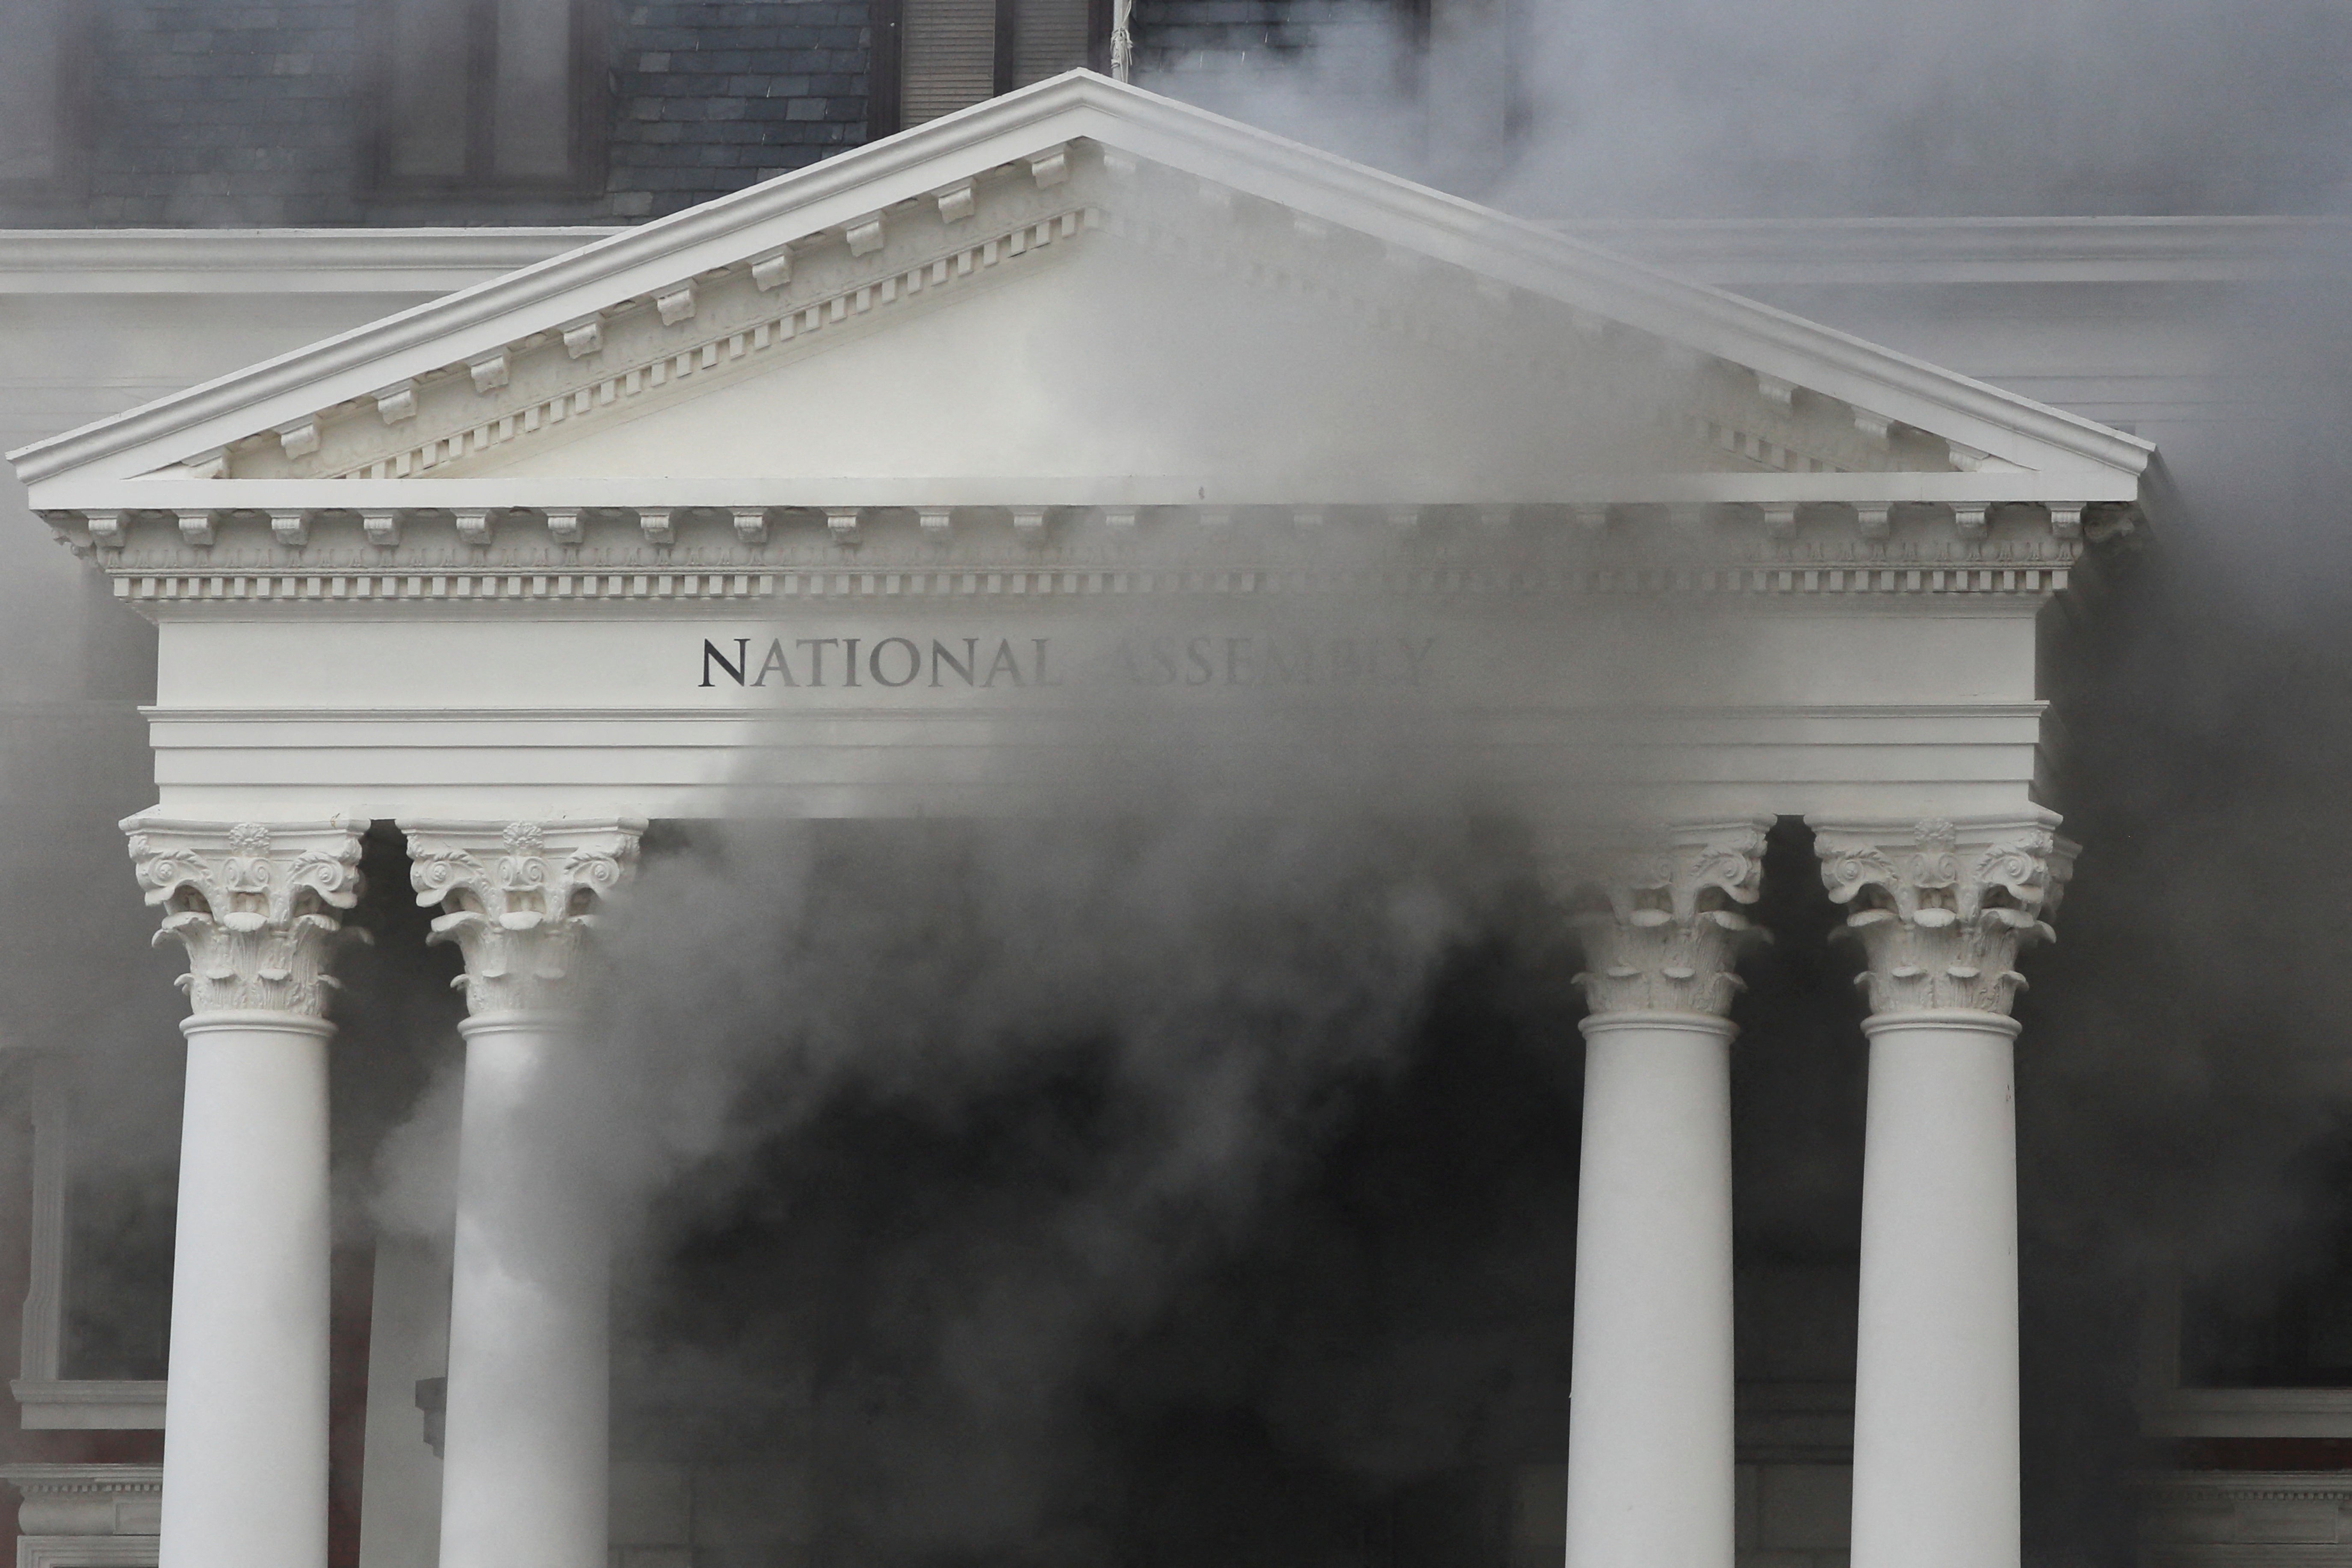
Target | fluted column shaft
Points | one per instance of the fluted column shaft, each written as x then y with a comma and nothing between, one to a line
245,1436
526,1456
1650,1463
1941,908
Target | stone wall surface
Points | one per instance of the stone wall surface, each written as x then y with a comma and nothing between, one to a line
221,112
1176,38
712,96
252,113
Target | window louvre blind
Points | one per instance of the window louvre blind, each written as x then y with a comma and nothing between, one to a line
948,54
427,105
1050,37
486,93
32,108
532,109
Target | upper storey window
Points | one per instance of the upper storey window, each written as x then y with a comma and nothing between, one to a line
35,46
951,54
489,95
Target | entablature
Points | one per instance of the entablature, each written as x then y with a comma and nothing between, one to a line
677,340
602,550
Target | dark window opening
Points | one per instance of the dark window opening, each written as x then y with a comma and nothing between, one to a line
2281,1318
117,1285
2298,1336
40,60
934,56
485,96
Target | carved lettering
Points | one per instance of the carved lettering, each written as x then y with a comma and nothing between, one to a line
775,662
816,646
1005,663
1204,662
735,669
914,662
1253,661
963,667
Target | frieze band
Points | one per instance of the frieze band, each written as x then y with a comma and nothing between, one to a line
987,663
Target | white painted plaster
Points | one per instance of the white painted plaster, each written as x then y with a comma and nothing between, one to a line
458,713
1097,358
244,1434
1650,1475
526,1472
1936,1390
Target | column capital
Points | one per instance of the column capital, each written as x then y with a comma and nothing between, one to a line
1659,911
255,903
1942,906
517,898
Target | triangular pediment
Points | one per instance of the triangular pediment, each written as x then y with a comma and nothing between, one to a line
1194,363
1083,283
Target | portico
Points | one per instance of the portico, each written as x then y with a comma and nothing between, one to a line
886,489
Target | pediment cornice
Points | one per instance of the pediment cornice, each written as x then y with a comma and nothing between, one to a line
1040,146
671,340
677,340
618,556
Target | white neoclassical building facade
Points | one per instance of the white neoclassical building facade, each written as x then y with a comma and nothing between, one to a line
868,491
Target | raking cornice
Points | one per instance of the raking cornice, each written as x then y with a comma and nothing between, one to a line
1077,106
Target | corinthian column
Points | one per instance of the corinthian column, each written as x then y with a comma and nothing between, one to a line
245,1435
525,1452
1650,1477
1941,908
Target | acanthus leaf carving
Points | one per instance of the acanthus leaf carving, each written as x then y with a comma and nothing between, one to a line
1942,907
1663,917
519,899
255,904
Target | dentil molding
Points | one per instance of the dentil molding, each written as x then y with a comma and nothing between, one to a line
255,903
517,898
1661,921
1942,907
1059,146
88,1500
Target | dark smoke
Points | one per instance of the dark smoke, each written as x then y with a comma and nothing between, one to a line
1591,109
1208,1180
992,1154
2186,1071
2185,1089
